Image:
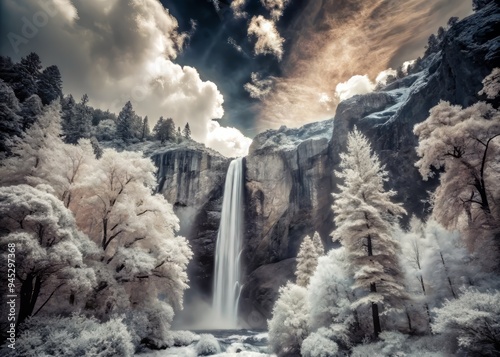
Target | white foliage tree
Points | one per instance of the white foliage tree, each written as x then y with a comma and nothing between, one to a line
329,297
142,258
491,84
318,244
73,336
307,260
474,320
288,327
363,215
29,152
49,249
141,263
466,143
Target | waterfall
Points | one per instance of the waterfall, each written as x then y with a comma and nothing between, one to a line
227,285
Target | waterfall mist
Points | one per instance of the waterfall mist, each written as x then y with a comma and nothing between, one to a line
227,273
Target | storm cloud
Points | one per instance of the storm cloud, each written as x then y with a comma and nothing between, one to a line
123,50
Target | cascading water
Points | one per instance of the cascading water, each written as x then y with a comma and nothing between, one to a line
227,285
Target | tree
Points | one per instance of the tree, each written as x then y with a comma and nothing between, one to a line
77,119
134,228
50,85
307,260
145,132
29,150
11,124
187,131
363,212
318,244
164,130
49,249
288,327
329,297
124,125
472,320
466,143
26,74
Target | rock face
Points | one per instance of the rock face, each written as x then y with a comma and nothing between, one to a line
192,179
289,172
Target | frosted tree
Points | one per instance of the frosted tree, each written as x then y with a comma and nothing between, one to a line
491,84
472,320
288,327
29,150
466,143
318,244
135,230
363,215
307,260
49,249
329,298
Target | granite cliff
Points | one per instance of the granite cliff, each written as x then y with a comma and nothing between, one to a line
289,172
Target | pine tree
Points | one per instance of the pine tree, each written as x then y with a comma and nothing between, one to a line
124,126
26,75
362,215
50,85
318,244
307,260
77,119
187,131
145,132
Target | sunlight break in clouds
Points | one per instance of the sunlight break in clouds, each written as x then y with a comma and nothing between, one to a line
126,51
332,41
269,41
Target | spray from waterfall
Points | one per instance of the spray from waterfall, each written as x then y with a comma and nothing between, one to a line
227,286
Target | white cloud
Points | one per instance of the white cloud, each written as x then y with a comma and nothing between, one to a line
228,141
383,76
355,85
237,7
258,87
275,7
124,51
269,41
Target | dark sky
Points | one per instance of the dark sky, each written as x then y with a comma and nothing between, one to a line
248,64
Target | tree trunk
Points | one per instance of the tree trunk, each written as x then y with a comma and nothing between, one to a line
28,297
373,288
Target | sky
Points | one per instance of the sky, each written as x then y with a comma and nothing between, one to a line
230,68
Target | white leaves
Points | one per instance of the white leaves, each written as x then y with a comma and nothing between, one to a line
473,318
307,260
363,214
288,327
491,84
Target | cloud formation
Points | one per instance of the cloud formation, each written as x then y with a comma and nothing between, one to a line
123,50
275,7
228,141
259,87
269,41
355,85
237,6
331,41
